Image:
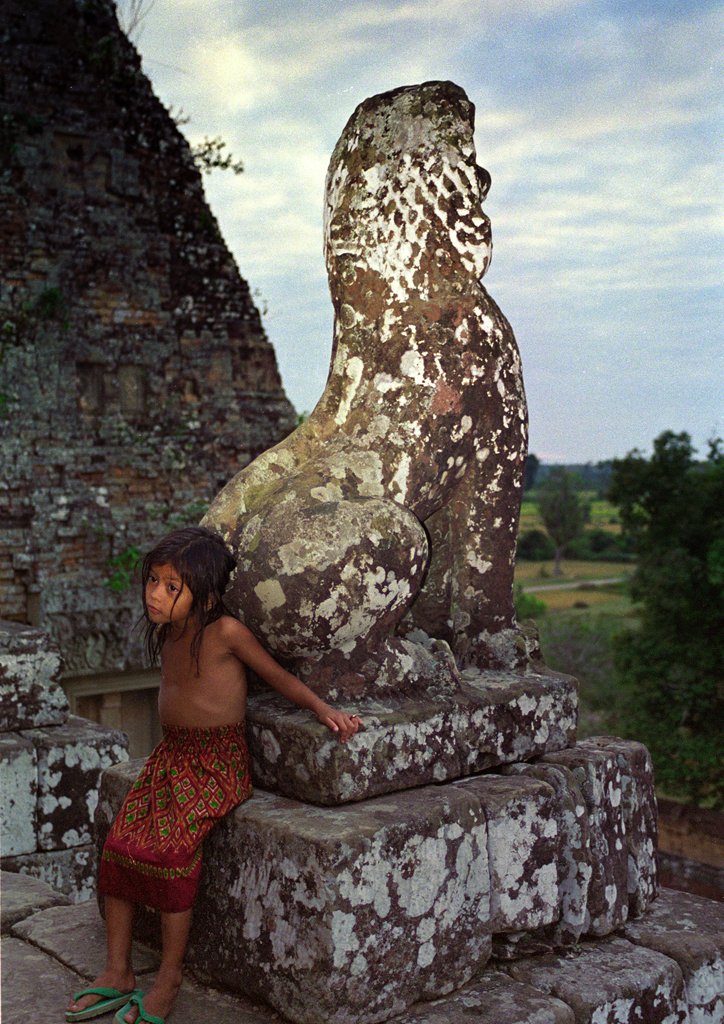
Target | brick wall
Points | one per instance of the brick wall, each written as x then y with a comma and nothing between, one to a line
135,375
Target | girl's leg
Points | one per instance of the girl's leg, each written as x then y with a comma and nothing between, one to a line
118,972
174,936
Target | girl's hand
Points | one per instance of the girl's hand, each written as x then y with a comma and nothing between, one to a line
340,722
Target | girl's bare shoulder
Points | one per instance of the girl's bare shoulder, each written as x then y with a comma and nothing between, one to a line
229,629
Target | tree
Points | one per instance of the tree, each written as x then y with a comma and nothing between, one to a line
671,670
532,464
563,511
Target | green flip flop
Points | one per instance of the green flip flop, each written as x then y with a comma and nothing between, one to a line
111,999
137,1000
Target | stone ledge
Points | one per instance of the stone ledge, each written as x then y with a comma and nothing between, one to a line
493,719
690,930
23,896
493,999
70,872
610,982
76,936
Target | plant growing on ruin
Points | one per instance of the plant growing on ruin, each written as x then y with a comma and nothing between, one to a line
123,568
210,155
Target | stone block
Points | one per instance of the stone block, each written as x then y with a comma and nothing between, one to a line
574,863
494,718
77,937
71,758
35,987
599,778
523,850
638,801
23,896
612,982
30,693
494,998
690,930
340,916
71,872
18,795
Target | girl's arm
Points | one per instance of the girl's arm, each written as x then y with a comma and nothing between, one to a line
244,645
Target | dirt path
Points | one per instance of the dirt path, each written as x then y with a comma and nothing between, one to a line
575,585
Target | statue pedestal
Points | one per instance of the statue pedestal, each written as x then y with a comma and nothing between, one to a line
348,915
494,718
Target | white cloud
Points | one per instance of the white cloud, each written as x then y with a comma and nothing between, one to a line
596,122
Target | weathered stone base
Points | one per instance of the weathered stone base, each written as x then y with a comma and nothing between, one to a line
495,718
349,915
70,872
49,785
345,915
49,953
612,982
22,895
690,930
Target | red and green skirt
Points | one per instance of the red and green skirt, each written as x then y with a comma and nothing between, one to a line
153,851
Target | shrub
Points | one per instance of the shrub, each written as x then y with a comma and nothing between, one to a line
527,606
535,546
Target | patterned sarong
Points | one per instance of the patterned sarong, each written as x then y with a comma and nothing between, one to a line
153,851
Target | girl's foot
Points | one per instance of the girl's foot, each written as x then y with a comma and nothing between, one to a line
124,981
158,1000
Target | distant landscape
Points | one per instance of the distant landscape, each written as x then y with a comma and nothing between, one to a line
621,567
577,614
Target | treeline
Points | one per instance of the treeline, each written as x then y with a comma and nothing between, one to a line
665,684
595,477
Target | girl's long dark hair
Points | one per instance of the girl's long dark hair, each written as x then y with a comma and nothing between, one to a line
204,564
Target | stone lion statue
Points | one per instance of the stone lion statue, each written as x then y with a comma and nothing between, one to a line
376,543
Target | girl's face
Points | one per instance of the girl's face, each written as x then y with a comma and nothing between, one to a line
168,599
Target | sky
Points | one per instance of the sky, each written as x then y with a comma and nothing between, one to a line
598,121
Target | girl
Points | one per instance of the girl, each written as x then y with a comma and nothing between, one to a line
198,772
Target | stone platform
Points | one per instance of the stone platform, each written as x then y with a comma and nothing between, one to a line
350,915
494,718
665,969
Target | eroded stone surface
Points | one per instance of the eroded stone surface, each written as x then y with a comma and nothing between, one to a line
523,850
22,896
612,982
599,778
574,862
77,937
423,420
18,795
690,930
35,987
71,758
638,802
30,694
410,740
71,872
494,998
344,915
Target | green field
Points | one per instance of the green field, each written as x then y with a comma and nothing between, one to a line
604,515
577,627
